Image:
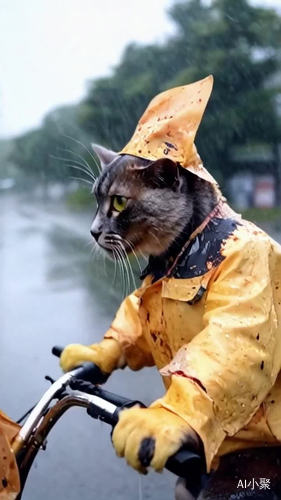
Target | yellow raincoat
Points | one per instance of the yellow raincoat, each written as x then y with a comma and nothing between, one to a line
9,474
212,325
210,318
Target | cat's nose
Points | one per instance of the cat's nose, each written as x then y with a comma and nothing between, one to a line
96,234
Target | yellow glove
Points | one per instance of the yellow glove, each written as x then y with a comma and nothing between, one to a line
149,436
107,355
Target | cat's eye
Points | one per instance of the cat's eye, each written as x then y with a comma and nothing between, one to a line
119,203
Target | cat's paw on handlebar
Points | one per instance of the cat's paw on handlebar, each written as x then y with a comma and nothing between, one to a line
106,355
149,436
76,354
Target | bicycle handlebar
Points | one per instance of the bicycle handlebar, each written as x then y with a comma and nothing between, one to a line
182,463
57,351
89,371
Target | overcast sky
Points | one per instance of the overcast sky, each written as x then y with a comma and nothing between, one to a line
50,48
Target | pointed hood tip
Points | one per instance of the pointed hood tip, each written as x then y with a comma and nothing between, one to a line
168,127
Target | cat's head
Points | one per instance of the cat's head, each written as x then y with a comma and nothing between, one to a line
143,206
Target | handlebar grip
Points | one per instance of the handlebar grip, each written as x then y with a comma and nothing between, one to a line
183,463
57,350
186,463
87,371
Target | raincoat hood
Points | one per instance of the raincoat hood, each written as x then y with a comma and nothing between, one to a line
168,127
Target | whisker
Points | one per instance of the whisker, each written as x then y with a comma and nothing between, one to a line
111,238
74,164
115,266
65,158
120,261
133,252
95,250
68,150
126,271
126,275
89,245
129,265
119,238
85,163
139,251
80,179
155,237
85,147
83,170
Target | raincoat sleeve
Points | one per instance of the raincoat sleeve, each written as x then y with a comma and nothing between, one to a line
126,328
220,378
9,473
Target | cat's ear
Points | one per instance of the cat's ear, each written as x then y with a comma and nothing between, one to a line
105,156
163,173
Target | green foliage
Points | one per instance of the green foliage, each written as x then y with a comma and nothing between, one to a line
237,42
231,39
260,215
268,219
56,150
114,104
80,199
6,168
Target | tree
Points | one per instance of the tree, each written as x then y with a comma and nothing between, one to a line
231,39
234,44
49,152
237,42
113,105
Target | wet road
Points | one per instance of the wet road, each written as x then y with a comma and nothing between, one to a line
54,292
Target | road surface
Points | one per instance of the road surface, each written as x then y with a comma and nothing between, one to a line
53,292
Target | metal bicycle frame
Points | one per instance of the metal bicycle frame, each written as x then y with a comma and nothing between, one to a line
43,417
74,389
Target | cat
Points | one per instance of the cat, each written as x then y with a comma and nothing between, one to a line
147,207
208,308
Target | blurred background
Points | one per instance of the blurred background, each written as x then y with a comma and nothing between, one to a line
75,72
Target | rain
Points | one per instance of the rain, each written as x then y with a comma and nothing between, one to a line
56,286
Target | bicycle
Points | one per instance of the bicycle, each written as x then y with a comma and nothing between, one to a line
81,387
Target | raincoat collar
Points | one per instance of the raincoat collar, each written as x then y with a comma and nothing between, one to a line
170,263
